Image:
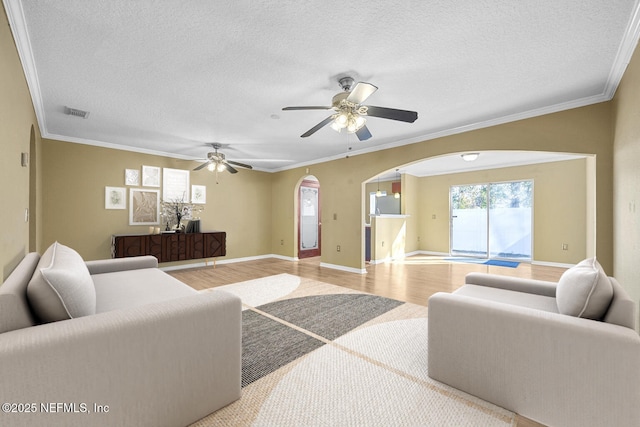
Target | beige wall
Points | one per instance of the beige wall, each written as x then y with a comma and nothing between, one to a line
626,189
17,118
560,207
584,130
75,176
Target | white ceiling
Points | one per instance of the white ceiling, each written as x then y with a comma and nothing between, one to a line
166,77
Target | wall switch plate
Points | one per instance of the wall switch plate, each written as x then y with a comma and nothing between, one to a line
565,246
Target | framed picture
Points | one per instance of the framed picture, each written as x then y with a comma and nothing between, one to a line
151,176
144,206
176,185
132,177
199,194
115,198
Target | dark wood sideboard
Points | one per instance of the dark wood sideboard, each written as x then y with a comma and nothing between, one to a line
170,246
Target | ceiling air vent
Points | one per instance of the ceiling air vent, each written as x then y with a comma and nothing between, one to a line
74,112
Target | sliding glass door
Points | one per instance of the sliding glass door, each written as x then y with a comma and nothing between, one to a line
469,220
510,224
492,220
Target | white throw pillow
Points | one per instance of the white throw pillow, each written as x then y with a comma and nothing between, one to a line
61,287
584,290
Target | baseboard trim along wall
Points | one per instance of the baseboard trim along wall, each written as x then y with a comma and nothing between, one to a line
343,268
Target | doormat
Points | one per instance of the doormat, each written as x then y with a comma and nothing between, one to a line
495,262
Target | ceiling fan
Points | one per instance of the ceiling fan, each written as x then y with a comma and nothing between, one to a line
350,113
217,161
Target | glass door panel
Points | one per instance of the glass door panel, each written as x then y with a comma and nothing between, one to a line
510,207
309,220
469,220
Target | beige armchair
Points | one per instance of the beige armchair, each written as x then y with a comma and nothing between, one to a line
505,340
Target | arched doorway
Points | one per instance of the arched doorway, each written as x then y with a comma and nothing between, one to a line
309,219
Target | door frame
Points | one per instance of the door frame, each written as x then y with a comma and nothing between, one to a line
316,251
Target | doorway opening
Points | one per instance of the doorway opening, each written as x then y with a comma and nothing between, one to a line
309,225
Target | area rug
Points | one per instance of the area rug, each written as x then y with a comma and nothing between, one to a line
496,262
316,354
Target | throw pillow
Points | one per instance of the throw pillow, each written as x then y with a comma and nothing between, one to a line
584,290
61,287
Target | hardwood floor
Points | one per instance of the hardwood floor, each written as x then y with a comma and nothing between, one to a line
412,280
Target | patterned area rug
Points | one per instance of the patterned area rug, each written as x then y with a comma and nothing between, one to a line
316,354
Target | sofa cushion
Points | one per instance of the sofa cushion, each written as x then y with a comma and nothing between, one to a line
506,296
133,288
584,290
61,287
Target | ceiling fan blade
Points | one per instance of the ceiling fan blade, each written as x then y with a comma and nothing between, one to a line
392,113
230,168
202,166
363,133
311,107
317,127
360,92
242,165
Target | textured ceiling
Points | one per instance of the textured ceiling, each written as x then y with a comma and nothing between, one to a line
168,76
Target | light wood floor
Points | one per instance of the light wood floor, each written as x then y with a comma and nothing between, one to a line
413,280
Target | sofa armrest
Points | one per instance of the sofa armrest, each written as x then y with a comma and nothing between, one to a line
530,286
121,264
163,364
552,368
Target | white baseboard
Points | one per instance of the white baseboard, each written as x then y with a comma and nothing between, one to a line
343,268
552,264
432,253
221,261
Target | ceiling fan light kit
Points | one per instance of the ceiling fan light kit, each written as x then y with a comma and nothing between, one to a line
350,113
217,162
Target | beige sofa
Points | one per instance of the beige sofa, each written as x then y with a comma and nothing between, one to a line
507,341
152,352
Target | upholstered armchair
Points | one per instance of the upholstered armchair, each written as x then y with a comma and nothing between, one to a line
562,354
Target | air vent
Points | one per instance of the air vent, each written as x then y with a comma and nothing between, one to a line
74,112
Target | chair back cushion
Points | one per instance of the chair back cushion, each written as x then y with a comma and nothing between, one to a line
61,287
14,306
584,291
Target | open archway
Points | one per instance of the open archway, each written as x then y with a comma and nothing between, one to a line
563,216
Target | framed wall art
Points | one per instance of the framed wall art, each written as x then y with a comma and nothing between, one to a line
150,176
144,206
199,194
132,177
176,185
115,198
